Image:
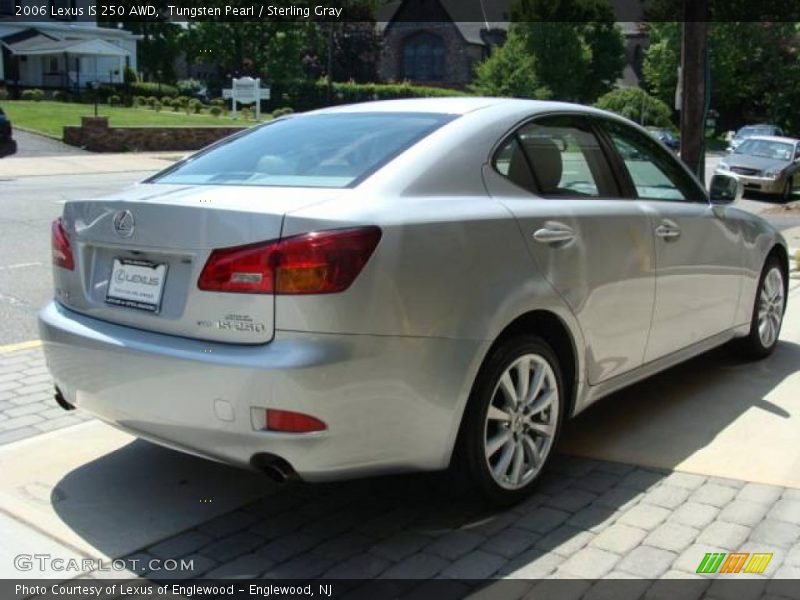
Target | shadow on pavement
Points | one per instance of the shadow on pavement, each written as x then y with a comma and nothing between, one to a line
671,419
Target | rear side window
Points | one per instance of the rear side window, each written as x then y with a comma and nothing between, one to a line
327,150
557,157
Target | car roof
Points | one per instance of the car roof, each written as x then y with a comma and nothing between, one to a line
458,105
759,126
773,138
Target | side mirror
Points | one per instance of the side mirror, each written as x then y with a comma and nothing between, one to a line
725,189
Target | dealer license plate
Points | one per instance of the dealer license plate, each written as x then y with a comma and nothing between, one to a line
136,284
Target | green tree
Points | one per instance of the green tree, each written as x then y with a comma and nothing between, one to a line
578,49
510,70
637,105
158,46
752,65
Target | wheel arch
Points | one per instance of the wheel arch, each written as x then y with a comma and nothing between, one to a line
553,330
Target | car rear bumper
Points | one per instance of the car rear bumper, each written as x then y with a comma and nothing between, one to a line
391,404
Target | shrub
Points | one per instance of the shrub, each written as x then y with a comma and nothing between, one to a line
247,113
166,101
151,101
194,106
129,75
187,86
280,112
149,88
139,100
114,99
307,95
61,96
182,101
637,105
218,102
215,111
157,106
3,93
34,95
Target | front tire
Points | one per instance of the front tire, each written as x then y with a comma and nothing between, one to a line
513,420
767,318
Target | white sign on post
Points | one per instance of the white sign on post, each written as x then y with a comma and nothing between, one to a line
246,90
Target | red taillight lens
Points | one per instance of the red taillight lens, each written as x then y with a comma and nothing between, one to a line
292,422
322,262
60,246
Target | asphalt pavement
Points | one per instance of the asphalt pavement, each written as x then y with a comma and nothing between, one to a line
32,144
27,207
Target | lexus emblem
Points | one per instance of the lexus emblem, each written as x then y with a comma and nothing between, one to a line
124,223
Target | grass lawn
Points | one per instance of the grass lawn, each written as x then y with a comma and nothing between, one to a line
50,117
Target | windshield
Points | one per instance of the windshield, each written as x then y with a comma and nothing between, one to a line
750,131
326,150
767,149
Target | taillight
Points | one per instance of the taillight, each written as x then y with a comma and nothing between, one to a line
321,262
60,246
292,422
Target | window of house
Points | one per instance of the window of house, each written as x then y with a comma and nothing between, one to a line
423,57
53,64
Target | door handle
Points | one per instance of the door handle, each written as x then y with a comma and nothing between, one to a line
668,231
552,233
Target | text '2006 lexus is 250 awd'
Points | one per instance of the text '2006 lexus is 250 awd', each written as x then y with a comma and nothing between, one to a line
402,285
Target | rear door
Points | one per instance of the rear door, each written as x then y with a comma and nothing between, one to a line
593,246
698,248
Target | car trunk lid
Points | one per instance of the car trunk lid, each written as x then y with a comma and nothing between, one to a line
138,259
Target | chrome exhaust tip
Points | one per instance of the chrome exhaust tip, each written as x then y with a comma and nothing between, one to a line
274,467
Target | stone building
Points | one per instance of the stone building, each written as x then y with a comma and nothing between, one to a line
439,42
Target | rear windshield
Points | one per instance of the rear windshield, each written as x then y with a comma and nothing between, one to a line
327,150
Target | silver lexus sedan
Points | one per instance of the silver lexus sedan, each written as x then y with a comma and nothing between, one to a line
402,285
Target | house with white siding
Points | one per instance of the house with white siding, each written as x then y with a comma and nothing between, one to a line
62,52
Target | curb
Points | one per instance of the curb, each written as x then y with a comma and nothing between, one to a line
37,132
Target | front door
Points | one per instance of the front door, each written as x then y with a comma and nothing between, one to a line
698,250
593,246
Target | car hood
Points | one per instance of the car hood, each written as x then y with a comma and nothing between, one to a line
754,162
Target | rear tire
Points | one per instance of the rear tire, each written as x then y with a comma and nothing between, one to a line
512,420
768,310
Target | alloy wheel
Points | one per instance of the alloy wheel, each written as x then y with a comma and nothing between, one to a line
521,421
770,307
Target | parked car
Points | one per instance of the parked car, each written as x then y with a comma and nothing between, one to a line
749,131
8,145
765,164
666,137
402,285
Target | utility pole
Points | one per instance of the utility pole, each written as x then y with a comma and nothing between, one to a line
693,95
